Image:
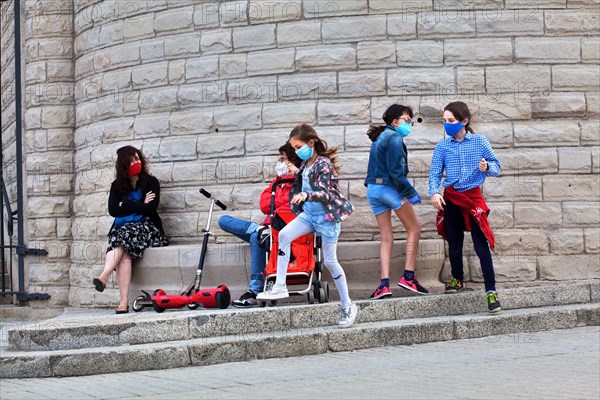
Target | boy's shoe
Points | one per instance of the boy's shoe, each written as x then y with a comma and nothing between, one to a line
381,293
413,286
347,316
274,292
493,302
454,287
247,300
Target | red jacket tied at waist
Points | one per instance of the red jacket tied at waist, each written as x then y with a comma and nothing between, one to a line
472,204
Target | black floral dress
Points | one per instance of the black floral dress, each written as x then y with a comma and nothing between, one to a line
137,225
135,237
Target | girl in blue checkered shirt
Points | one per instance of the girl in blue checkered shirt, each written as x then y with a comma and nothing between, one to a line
467,159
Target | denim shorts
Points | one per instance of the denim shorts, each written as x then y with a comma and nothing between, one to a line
329,230
383,198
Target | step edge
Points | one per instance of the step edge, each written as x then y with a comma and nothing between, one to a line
294,313
325,341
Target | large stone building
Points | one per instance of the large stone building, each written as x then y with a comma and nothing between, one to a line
210,90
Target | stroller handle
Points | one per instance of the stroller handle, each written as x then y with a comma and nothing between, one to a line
217,202
273,187
280,181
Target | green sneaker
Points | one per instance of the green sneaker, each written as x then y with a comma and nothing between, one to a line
493,302
455,286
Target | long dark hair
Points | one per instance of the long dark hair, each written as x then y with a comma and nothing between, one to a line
460,111
124,155
290,153
393,112
305,132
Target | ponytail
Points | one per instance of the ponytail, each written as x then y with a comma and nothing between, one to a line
374,131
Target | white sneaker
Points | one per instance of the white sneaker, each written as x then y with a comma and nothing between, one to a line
347,316
274,292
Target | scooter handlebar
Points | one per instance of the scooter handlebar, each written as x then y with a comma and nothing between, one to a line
217,202
223,206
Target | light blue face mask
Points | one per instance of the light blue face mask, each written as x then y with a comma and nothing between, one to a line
404,129
305,152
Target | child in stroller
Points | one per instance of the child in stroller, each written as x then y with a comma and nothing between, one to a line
254,233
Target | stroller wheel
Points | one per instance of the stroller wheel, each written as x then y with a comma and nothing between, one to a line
321,295
325,289
311,297
136,306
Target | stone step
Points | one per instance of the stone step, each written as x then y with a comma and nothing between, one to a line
172,268
149,327
245,346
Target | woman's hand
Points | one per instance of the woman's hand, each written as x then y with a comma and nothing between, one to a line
299,198
438,201
149,197
483,165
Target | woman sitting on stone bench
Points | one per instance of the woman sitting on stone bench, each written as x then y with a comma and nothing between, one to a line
133,200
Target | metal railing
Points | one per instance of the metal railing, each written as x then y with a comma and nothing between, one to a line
6,262
20,249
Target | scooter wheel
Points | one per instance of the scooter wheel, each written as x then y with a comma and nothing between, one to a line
156,307
272,303
223,298
193,306
136,306
262,304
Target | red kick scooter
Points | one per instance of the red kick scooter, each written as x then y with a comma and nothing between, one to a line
193,297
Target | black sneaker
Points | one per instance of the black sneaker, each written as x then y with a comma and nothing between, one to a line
455,286
247,300
264,237
493,302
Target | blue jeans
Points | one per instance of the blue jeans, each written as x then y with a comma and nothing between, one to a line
246,230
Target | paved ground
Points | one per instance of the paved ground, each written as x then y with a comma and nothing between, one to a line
562,364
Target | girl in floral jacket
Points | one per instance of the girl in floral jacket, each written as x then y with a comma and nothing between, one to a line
317,198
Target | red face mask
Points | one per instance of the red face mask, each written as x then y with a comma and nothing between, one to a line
135,168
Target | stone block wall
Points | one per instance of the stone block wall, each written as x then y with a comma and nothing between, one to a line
49,122
209,91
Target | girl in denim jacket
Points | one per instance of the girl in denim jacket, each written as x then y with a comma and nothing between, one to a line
317,198
388,189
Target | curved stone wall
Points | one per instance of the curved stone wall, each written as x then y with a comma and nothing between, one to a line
210,90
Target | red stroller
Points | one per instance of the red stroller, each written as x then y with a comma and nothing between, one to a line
306,262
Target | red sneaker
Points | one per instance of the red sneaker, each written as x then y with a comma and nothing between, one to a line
381,293
413,286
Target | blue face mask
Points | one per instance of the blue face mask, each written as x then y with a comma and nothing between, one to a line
404,129
305,152
453,129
